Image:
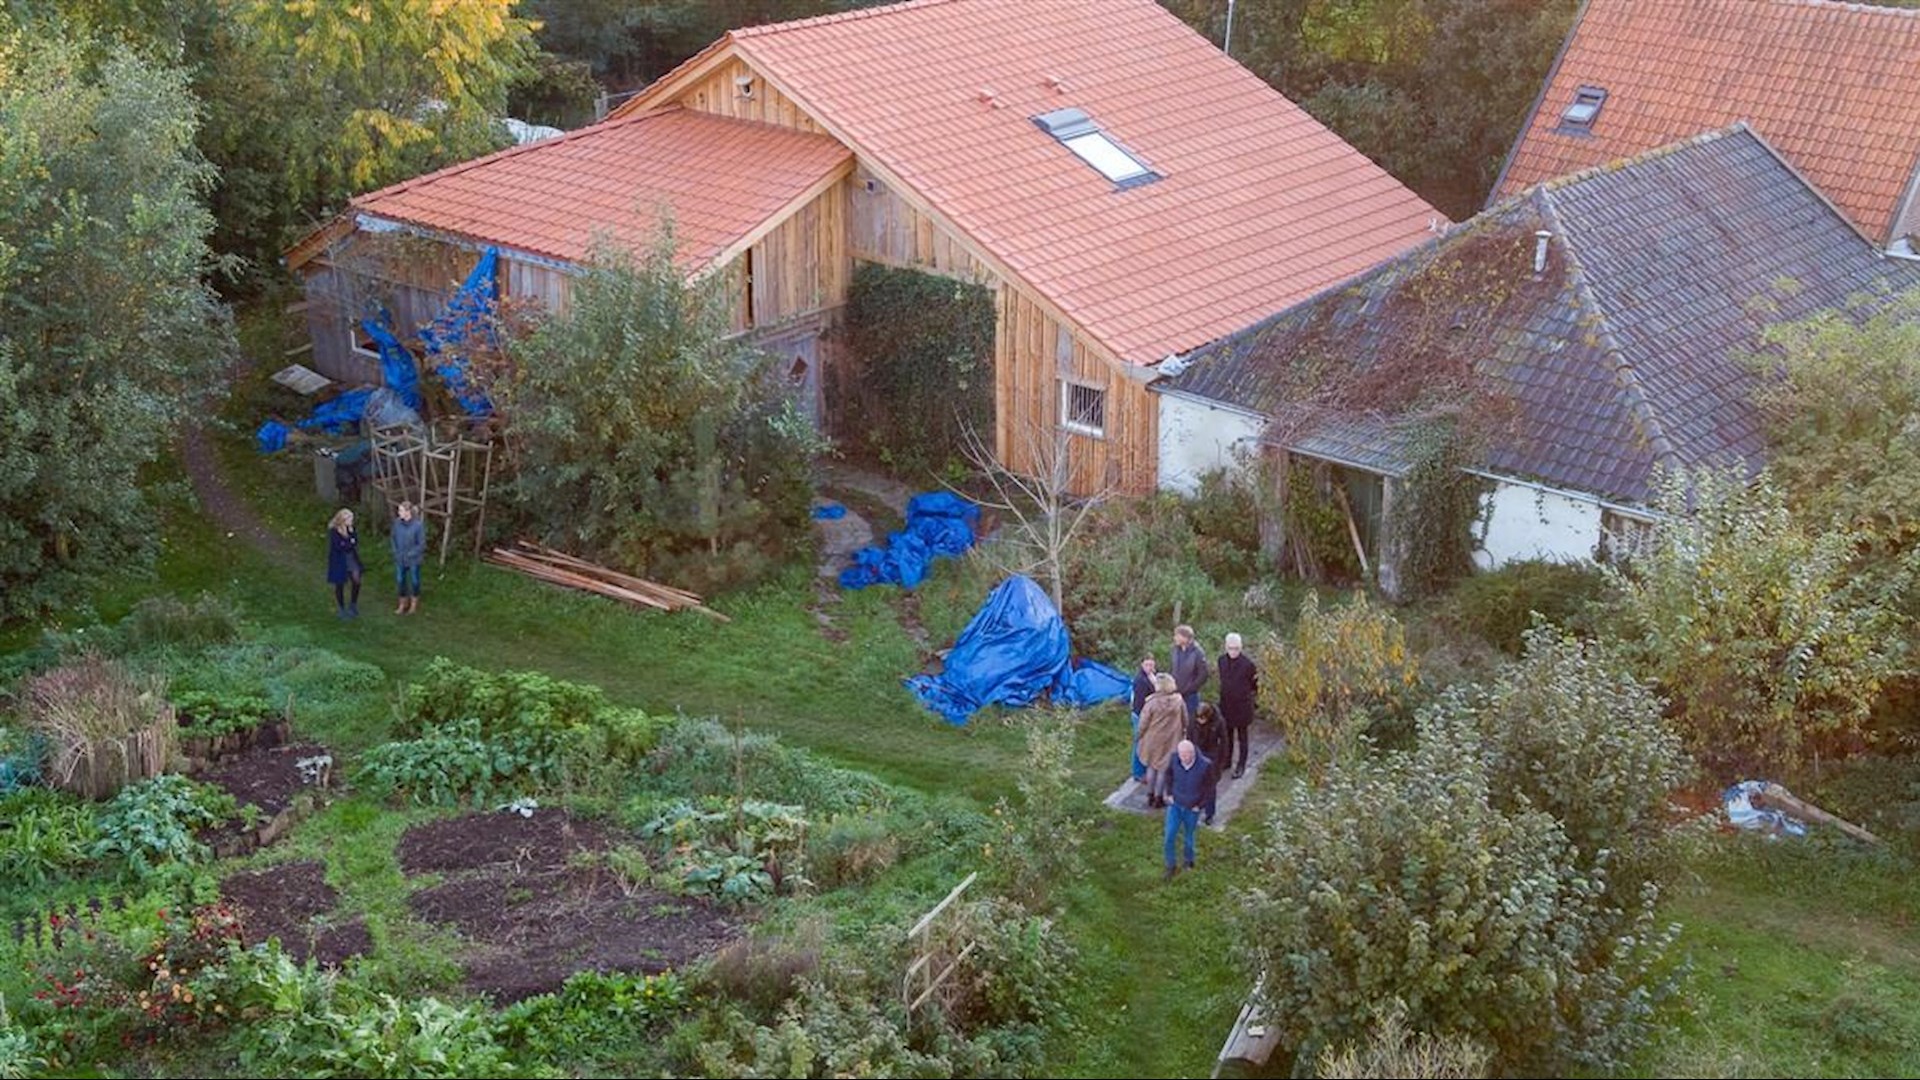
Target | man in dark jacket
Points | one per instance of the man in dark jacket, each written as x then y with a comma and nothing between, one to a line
1189,667
1190,782
1239,687
1142,689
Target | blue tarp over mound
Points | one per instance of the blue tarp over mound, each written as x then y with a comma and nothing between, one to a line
939,523
396,363
1013,651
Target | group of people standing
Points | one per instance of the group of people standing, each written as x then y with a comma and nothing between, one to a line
344,568
1181,746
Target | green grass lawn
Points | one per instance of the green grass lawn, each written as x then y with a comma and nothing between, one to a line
1807,963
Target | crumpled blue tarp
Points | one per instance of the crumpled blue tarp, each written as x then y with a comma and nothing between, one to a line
396,363
385,409
939,524
271,437
1744,815
1014,650
468,318
829,512
338,415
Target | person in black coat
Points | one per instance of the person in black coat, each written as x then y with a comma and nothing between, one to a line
343,564
1142,689
1239,688
1207,733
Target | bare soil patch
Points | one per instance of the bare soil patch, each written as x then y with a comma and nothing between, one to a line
289,902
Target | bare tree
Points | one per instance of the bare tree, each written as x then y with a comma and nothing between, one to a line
1043,512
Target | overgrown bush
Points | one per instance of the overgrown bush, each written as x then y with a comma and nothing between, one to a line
1401,879
1571,732
106,727
920,375
1036,843
1341,671
1391,1052
1755,626
650,436
762,971
170,622
1498,606
700,758
345,702
851,849
1130,571
152,824
46,836
1225,516
449,765
593,1016
742,852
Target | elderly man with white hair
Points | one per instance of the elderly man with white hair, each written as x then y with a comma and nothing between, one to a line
1239,686
1190,783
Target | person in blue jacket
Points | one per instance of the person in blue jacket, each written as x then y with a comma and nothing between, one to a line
343,564
409,551
1190,786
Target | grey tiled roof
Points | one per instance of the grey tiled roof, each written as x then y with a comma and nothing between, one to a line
1663,271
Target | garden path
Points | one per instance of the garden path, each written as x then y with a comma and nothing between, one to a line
218,501
1131,796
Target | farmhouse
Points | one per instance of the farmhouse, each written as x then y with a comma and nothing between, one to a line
1832,85
1125,190
1597,324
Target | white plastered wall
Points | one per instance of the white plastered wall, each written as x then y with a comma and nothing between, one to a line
1520,521
1197,437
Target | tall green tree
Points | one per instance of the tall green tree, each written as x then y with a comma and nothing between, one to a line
107,331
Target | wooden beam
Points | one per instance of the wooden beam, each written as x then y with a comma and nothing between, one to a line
921,926
779,217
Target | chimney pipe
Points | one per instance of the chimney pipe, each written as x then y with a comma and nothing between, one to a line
1540,252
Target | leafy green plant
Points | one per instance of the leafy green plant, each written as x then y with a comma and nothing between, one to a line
1128,575
1341,670
1225,517
1036,844
44,836
594,1015
151,825
742,852
449,765
17,1057
851,849
205,713
1499,606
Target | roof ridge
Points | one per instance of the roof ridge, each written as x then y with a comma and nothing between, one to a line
1639,406
1644,156
459,167
834,17
1801,179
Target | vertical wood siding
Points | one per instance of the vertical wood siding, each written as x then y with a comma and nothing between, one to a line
720,95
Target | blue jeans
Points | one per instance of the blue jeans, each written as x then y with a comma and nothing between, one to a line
1193,703
409,578
1181,821
1139,769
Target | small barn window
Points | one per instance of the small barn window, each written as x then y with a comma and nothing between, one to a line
1585,109
1083,409
361,341
1078,133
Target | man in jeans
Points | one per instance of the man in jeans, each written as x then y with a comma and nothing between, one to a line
1190,781
1189,668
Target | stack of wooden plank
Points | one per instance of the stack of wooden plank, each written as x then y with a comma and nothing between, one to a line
558,568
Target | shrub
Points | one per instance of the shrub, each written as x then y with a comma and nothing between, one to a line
1500,605
17,1057
593,1015
1570,732
1225,516
446,766
1400,879
207,713
170,622
47,836
1342,670
1036,845
106,726
1754,626
152,824
762,971
741,852
1128,575
849,850
696,758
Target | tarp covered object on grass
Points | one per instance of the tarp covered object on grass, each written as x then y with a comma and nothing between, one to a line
1013,651
939,523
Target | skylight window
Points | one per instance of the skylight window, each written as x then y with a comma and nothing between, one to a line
1585,108
1078,133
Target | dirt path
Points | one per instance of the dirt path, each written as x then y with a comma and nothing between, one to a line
219,502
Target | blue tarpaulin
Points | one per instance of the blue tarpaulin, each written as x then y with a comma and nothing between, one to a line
339,415
939,524
396,363
1014,651
829,512
468,319
271,437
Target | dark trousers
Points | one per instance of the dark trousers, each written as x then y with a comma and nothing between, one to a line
1193,703
340,588
1237,735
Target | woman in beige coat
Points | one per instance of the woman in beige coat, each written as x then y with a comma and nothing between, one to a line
1163,723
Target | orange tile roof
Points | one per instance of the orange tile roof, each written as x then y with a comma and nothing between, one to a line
718,177
1259,205
1833,85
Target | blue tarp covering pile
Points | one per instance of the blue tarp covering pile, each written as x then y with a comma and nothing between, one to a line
939,523
396,363
1013,651
340,415
468,318
272,436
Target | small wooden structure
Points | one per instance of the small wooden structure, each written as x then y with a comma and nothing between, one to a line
445,470
921,980
1249,1040
558,568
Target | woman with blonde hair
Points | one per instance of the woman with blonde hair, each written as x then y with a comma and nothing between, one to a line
343,563
409,551
1163,723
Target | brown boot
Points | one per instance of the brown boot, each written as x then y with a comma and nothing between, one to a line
401,607
413,605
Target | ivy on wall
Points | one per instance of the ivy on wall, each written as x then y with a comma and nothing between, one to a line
919,370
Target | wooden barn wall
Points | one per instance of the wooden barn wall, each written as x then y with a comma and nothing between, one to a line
720,95
884,228
1033,356
532,281
801,267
